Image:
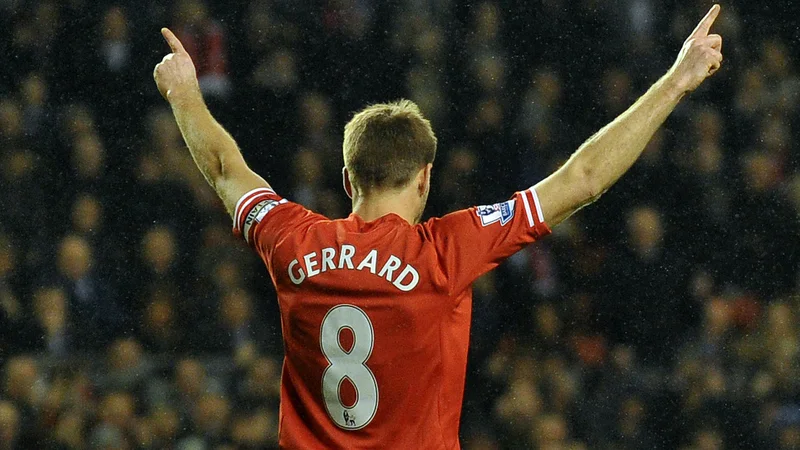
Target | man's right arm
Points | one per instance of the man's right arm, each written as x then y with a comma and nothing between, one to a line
607,155
213,149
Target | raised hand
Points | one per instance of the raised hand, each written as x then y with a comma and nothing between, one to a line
701,55
175,75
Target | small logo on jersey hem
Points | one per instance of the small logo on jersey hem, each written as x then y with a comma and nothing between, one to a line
499,212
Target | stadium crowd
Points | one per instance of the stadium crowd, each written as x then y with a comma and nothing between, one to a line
665,316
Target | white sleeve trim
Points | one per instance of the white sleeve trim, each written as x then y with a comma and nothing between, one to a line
241,207
539,214
527,208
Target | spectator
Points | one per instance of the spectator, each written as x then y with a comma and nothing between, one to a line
20,388
204,39
654,282
9,426
51,321
95,313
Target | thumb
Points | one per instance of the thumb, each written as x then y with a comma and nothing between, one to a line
173,41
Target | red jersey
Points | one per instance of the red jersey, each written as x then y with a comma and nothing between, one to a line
375,315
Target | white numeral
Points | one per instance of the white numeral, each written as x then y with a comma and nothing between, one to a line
350,365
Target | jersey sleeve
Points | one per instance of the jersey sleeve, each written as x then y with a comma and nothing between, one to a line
263,219
474,241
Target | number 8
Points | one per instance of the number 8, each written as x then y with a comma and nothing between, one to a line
348,364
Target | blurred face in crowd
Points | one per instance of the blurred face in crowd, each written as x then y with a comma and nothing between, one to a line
9,423
236,309
718,316
645,231
227,275
550,432
429,45
34,90
115,25
522,401
190,378
708,125
263,378
617,87
79,120
255,431
69,429
490,73
547,322
10,119
776,57
50,308
316,112
124,355
7,257
547,84
488,116
164,131
159,315
166,424
487,21
17,165
307,168
87,213
211,414
761,172
775,135
74,258
277,71
118,409
88,156
159,248
632,414
21,374
790,437
708,158
192,12
708,439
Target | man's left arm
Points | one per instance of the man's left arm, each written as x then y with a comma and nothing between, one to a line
607,155
213,149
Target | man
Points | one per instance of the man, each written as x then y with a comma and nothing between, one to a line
375,308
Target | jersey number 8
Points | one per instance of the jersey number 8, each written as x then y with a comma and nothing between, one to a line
348,364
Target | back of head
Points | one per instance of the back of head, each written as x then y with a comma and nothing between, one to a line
386,144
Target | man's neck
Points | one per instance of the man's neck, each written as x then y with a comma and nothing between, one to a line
377,205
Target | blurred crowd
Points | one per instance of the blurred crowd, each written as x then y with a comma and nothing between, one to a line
665,316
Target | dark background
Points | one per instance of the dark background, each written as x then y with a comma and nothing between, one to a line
664,316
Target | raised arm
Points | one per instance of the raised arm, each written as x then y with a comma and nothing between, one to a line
602,159
213,149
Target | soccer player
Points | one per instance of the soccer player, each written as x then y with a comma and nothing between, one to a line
375,308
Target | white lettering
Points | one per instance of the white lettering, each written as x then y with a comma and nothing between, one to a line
315,263
398,283
392,264
327,258
299,279
346,257
369,261
311,263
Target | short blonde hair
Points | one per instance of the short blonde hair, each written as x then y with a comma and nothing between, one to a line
386,143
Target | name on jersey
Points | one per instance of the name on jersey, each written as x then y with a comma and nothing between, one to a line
499,212
347,257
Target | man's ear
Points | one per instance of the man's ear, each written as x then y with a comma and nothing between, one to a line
348,187
424,179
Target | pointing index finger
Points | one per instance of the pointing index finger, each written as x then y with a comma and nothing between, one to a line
705,25
173,41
